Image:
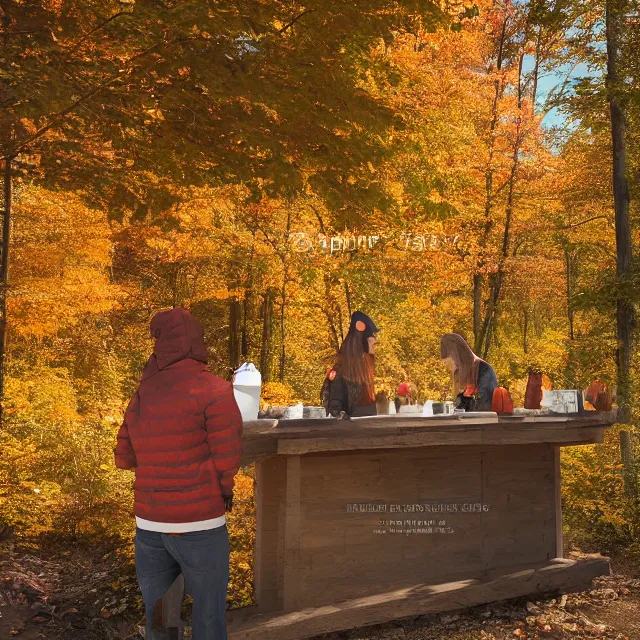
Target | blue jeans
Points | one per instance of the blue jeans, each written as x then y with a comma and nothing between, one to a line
203,559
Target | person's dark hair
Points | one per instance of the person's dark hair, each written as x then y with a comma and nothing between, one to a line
357,365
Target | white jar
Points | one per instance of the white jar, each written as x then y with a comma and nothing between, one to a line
247,384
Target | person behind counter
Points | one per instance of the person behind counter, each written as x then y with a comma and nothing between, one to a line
472,376
348,389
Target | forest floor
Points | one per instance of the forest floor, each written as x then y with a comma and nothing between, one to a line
89,592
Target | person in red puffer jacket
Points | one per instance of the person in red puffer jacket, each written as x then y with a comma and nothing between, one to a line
182,436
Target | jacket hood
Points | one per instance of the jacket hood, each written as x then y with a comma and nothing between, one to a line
178,336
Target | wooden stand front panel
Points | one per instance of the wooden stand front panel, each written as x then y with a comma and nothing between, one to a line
443,513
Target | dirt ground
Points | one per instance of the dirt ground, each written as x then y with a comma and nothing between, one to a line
89,592
611,610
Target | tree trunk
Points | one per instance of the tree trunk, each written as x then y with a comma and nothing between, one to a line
334,331
341,322
628,467
489,195
536,71
4,275
625,313
347,293
283,336
247,309
497,279
491,312
477,307
525,327
234,333
267,332
329,309
570,312
244,339
175,287
283,295
625,316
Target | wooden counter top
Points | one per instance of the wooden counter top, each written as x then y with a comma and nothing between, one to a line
265,438
360,522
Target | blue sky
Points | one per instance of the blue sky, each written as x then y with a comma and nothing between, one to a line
549,81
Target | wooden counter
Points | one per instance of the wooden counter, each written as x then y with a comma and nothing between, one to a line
367,520
264,438
364,521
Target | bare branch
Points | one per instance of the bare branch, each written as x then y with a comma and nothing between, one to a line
98,27
290,24
556,94
578,224
319,217
547,229
23,32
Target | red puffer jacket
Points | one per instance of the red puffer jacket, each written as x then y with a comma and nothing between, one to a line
182,429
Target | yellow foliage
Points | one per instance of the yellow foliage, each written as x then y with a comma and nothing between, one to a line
425,147
61,257
596,512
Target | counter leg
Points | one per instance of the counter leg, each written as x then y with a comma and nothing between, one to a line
292,534
557,487
167,620
271,481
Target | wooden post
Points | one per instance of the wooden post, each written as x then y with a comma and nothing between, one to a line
168,620
292,534
557,482
277,551
268,574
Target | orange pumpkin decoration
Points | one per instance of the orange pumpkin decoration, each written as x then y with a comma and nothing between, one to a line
501,402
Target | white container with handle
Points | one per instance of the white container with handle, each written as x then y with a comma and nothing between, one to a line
247,384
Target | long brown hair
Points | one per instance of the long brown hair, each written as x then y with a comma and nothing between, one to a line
356,365
466,362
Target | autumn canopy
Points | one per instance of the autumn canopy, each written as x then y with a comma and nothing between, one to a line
273,166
